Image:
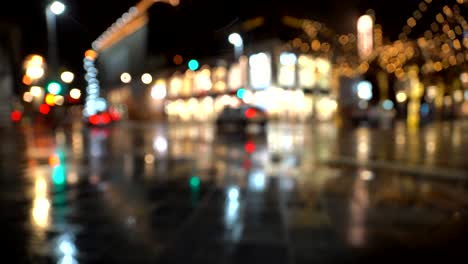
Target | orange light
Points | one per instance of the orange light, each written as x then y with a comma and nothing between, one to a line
249,147
178,59
16,116
44,109
27,80
91,54
50,99
54,160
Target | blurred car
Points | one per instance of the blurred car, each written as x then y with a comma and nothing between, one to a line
240,118
103,118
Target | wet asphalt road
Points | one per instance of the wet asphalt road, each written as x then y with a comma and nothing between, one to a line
182,193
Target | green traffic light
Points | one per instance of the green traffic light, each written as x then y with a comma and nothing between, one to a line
193,65
54,88
195,182
59,175
240,93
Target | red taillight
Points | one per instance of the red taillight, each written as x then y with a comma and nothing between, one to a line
115,115
250,113
249,147
16,116
105,118
94,119
44,109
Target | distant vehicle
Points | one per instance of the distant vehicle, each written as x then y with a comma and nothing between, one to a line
239,118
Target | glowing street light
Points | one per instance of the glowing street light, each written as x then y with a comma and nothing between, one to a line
146,78
75,93
236,40
365,26
36,91
57,8
126,77
158,91
364,90
67,77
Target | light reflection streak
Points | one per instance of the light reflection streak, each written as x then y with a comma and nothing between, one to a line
359,205
362,140
41,204
66,250
231,216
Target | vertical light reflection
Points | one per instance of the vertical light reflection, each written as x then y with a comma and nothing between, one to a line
66,250
362,141
41,204
231,214
257,180
400,140
359,205
430,139
413,144
77,143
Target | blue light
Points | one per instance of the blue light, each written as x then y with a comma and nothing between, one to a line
241,93
425,109
388,105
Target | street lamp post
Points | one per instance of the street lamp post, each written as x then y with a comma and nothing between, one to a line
236,40
54,9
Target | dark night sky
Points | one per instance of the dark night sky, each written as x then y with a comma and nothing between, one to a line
85,20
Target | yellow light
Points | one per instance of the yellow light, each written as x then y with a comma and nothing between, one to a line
411,22
456,44
67,77
438,66
75,93
36,91
50,99
40,211
315,45
440,18
452,60
401,97
458,96
36,60
423,7
445,48
27,97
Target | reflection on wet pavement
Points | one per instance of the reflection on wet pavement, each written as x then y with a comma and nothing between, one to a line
181,193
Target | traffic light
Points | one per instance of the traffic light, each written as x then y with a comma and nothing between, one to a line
194,182
240,93
54,88
193,65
